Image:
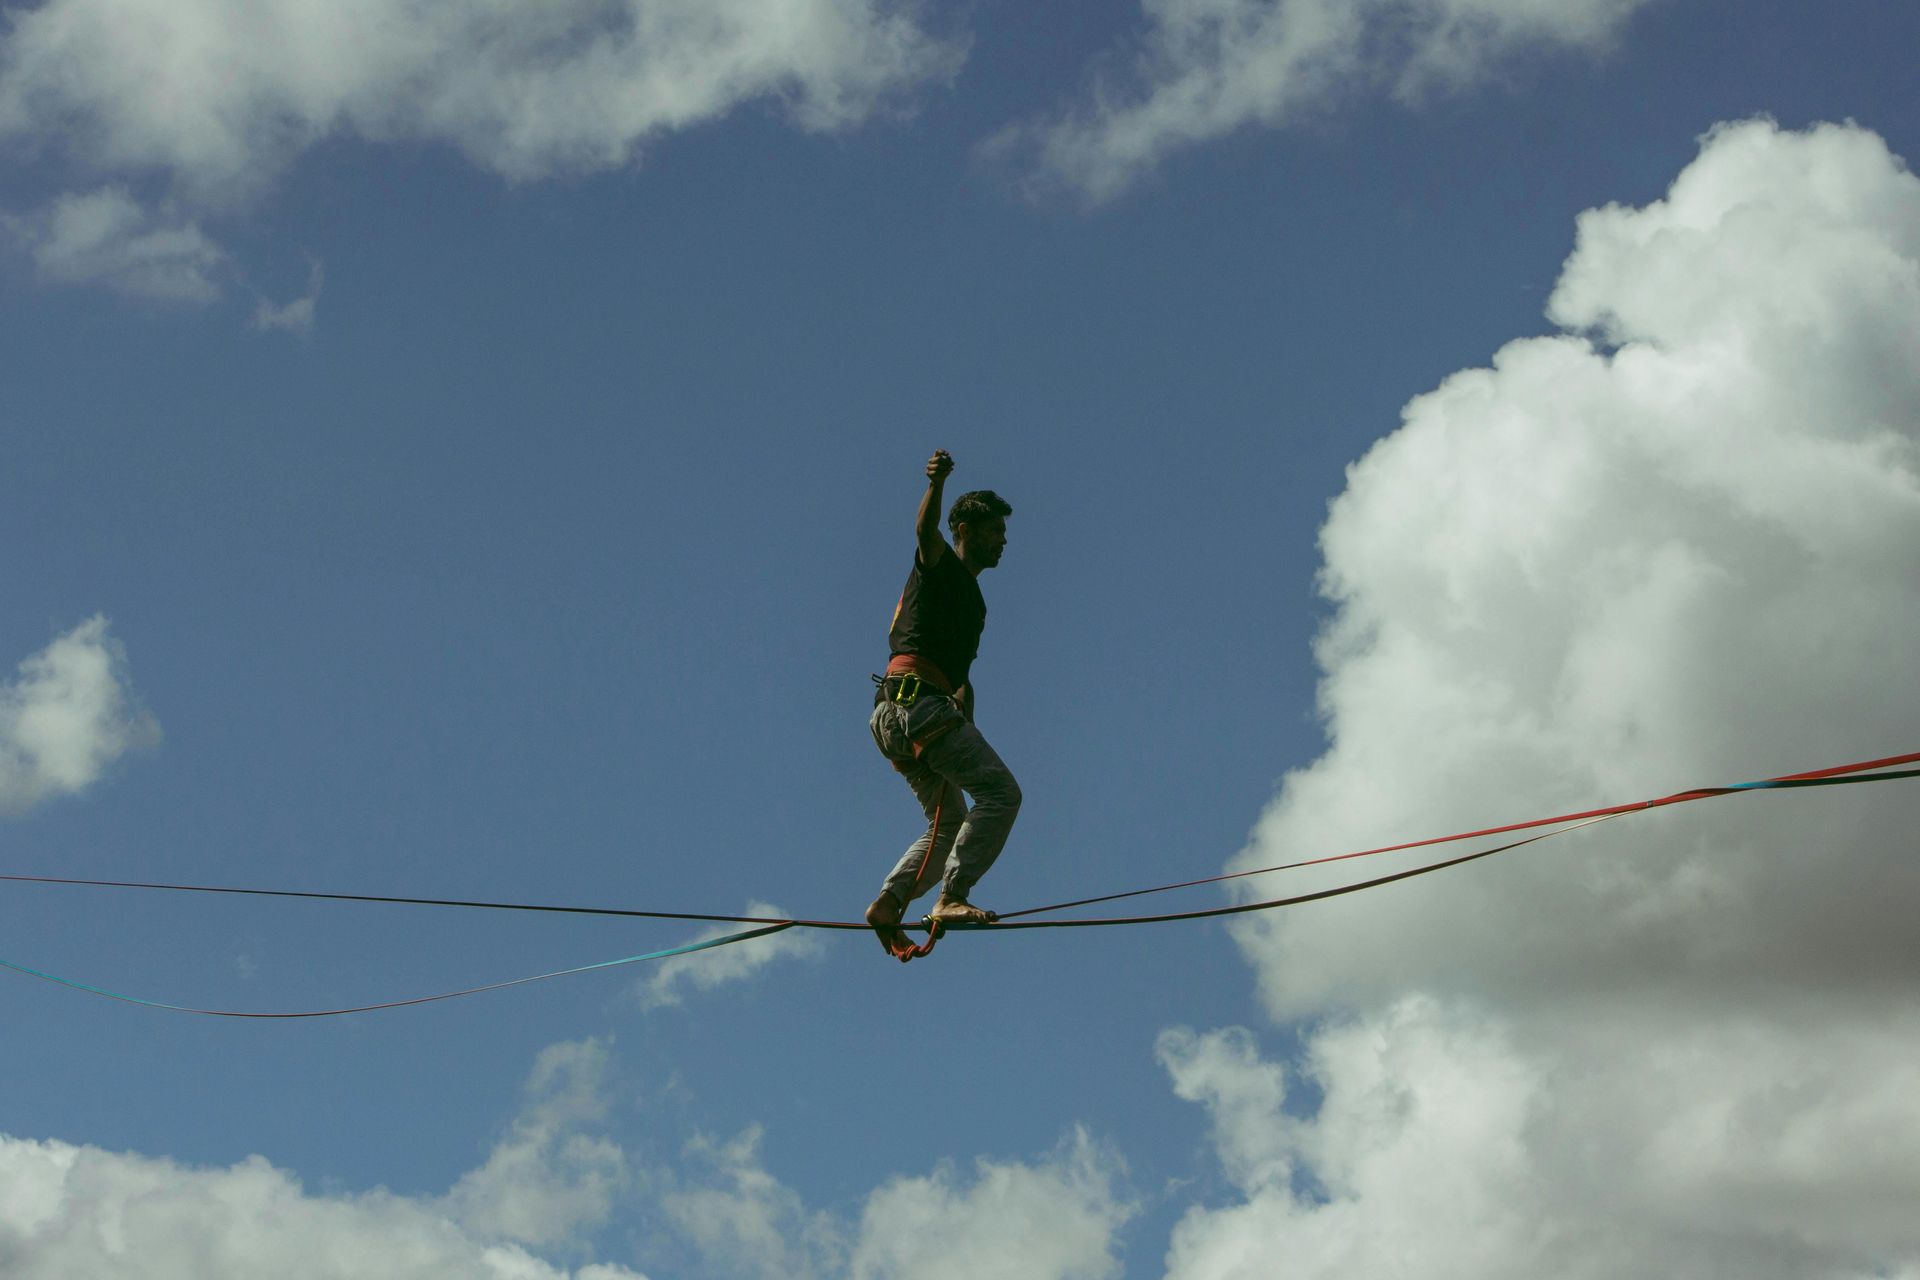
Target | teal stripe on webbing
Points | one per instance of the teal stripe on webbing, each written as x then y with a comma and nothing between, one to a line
686,949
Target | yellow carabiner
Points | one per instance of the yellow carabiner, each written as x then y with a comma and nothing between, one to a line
907,692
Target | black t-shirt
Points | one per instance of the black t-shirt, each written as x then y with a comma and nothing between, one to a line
940,616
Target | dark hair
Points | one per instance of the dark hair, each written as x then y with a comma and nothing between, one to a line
981,504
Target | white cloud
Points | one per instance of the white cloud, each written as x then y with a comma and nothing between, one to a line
220,95
1414,1145
208,101
1208,67
106,237
744,1220
294,317
66,717
549,1182
79,1211
71,1211
1678,544
1054,1220
1443,1148
671,979
1223,1069
555,1179
1584,575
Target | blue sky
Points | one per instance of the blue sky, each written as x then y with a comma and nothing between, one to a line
493,488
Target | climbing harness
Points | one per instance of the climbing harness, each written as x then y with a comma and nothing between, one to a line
903,689
906,690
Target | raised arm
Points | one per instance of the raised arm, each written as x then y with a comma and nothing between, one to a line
926,526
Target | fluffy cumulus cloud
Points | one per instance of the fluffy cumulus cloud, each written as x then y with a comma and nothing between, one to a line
1204,68
1451,1143
67,715
207,100
742,1219
80,1211
1055,1220
551,1178
1676,544
670,980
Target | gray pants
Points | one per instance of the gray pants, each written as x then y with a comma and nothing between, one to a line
962,843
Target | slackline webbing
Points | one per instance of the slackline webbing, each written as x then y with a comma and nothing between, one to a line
1880,770
688,949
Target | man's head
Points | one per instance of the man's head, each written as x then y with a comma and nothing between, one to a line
979,524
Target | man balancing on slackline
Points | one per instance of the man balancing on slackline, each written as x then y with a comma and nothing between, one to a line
923,713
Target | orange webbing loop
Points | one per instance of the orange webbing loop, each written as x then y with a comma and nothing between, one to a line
934,929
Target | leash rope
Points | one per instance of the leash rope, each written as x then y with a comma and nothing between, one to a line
915,951
1881,770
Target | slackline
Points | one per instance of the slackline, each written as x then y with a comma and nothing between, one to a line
1881,770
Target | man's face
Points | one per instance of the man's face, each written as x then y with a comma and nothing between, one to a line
986,541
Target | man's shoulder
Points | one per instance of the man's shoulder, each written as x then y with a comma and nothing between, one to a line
929,560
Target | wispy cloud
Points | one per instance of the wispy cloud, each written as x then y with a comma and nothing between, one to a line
1204,68
296,316
221,101
670,981
210,103
107,238
202,108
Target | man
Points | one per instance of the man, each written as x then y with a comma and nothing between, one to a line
923,713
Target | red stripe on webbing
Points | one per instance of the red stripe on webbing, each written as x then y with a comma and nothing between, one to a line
1836,775
1839,769
1678,797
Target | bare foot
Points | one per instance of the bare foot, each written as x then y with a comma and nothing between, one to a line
884,916
959,911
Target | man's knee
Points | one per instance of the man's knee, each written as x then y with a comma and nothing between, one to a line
1005,794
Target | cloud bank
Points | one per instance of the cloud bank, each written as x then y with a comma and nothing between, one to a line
67,715
554,1179
1676,544
1204,68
